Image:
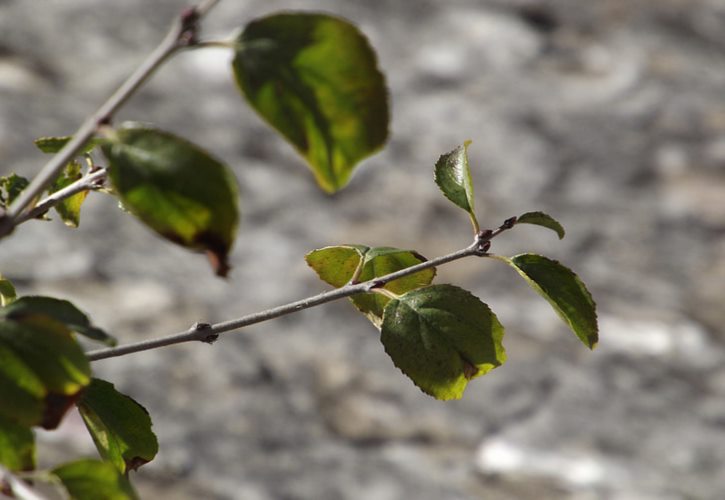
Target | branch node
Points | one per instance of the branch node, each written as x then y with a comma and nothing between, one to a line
509,223
204,333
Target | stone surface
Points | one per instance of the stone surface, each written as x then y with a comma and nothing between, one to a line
608,115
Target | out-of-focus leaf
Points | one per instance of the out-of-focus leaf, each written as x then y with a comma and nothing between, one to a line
47,369
94,480
544,220
69,209
52,145
453,176
337,265
177,189
60,310
7,291
120,427
441,337
314,78
563,289
10,187
17,446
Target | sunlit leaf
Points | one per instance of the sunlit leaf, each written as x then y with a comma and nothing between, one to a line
94,480
17,446
544,220
314,78
563,289
45,362
177,189
453,176
60,310
69,209
337,265
119,426
441,337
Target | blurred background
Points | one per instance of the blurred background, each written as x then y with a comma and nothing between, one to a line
608,115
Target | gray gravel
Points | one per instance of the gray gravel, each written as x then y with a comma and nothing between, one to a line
608,115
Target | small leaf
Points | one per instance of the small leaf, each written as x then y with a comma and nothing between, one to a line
315,79
566,293
441,337
17,446
337,265
119,426
542,219
60,310
10,188
453,176
52,145
69,209
177,189
93,480
45,362
7,291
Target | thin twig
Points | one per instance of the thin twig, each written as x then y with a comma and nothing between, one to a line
89,182
180,35
208,333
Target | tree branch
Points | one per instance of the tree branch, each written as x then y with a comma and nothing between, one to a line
90,181
209,333
181,34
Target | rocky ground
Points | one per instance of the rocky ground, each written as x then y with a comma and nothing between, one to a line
609,115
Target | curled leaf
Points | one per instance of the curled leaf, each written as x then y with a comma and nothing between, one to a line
563,289
544,220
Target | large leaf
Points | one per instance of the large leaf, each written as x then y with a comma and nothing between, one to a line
544,220
563,289
60,310
45,373
441,337
120,427
314,78
337,265
94,480
453,176
176,189
17,446
69,209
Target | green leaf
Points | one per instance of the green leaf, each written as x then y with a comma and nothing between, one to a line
441,337
177,189
10,188
453,176
337,266
60,310
566,293
69,209
17,446
94,480
7,291
52,145
314,78
119,426
47,370
542,219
